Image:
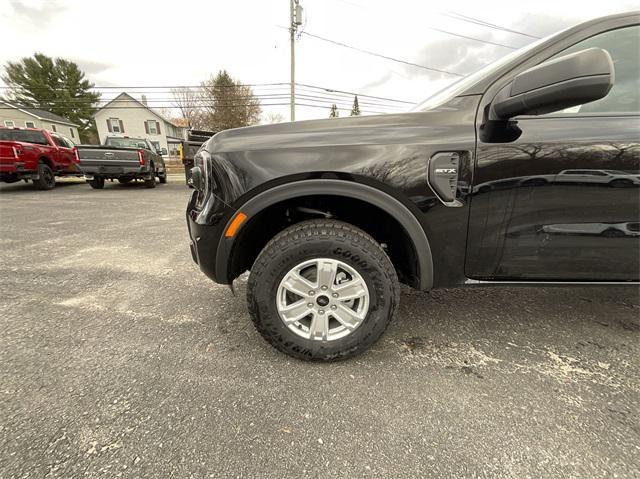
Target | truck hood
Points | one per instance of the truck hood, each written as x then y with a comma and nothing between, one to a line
394,128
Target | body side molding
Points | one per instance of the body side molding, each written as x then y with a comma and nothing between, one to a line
529,283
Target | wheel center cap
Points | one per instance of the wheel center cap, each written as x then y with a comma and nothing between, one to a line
322,300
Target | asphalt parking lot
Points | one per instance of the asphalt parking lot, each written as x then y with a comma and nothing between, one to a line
118,358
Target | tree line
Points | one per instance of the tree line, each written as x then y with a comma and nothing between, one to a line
355,109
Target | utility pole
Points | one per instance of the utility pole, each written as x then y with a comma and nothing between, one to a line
295,20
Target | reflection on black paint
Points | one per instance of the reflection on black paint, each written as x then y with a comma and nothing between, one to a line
560,203
608,230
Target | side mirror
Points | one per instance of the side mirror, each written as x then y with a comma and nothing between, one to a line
163,151
571,80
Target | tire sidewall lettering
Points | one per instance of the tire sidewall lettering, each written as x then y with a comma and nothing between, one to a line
354,258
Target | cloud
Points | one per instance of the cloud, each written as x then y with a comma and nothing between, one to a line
92,67
37,15
543,24
465,56
378,82
454,55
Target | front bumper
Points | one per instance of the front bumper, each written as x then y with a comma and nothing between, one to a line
208,249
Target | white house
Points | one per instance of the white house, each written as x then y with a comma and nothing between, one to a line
126,116
12,115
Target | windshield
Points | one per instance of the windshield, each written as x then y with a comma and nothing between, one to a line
126,142
459,86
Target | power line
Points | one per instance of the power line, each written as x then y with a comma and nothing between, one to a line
307,93
465,18
325,107
472,38
333,91
152,87
368,52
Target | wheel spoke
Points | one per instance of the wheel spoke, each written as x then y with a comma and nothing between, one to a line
351,290
297,284
319,328
294,312
347,317
320,309
327,270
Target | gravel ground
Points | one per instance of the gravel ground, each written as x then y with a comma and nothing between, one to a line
118,358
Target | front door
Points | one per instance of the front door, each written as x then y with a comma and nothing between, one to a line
65,153
562,202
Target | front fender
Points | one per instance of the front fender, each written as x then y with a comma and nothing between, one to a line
391,205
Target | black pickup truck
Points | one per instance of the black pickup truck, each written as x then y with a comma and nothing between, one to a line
189,148
124,159
524,173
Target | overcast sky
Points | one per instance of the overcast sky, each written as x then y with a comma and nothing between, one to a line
154,43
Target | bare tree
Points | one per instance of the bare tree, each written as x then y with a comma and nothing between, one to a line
189,102
272,117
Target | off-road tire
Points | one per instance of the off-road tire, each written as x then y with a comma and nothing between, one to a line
46,180
162,177
150,181
97,183
322,239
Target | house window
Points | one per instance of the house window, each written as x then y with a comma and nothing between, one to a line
73,135
9,123
115,125
29,124
53,128
152,127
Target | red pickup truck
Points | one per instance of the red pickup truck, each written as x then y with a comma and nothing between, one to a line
36,155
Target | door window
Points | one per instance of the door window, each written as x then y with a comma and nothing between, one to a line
623,45
58,141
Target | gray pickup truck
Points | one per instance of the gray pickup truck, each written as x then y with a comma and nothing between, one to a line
122,159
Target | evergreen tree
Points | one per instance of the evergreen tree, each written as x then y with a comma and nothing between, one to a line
355,109
55,85
334,113
228,103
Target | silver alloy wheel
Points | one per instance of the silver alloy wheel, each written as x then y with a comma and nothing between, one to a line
322,299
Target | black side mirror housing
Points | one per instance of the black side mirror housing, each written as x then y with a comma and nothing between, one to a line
163,151
570,80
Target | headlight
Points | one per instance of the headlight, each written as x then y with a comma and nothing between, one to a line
202,160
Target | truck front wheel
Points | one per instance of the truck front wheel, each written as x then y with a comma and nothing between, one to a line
46,180
322,290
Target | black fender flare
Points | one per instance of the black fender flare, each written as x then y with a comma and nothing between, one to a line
350,189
